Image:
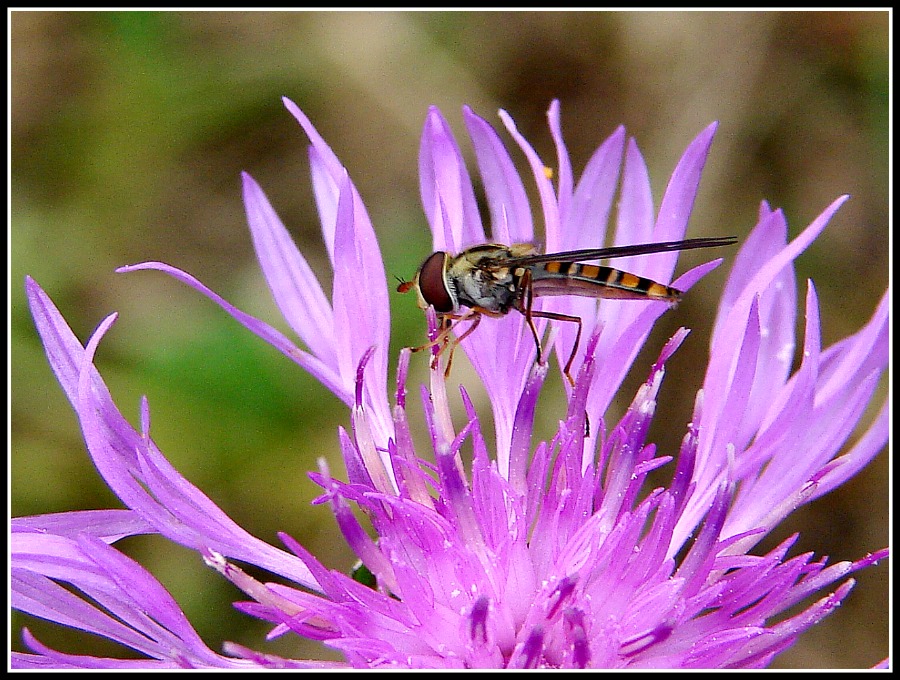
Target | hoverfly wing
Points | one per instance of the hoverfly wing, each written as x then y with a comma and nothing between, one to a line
622,251
564,274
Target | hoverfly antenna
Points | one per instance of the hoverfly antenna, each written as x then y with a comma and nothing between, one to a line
403,286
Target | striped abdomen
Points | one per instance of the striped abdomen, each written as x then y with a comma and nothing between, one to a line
590,280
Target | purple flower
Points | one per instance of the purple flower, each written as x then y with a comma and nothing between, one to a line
514,553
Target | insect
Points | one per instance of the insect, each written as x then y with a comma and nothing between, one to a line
492,279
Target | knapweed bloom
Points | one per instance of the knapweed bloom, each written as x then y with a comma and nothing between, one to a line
496,551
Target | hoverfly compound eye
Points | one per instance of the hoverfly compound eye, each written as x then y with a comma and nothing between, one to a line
433,283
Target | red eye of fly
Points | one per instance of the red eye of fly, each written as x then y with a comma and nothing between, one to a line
432,283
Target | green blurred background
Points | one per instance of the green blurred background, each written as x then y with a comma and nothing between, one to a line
128,134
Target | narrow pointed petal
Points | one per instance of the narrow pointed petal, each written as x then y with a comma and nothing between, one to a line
324,373
447,194
507,201
294,286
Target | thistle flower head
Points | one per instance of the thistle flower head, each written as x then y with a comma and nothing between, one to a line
503,551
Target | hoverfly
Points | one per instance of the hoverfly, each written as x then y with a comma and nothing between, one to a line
492,279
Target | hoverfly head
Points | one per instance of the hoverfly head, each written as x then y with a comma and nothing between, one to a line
431,284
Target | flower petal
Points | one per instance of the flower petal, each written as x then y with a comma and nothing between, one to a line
294,286
107,525
130,463
136,610
447,194
322,372
506,197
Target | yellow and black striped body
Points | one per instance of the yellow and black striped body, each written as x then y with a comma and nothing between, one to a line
589,280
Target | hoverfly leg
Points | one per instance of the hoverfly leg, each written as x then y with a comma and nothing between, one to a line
440,338
525,284
476,319
448,322
554,316
572,355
